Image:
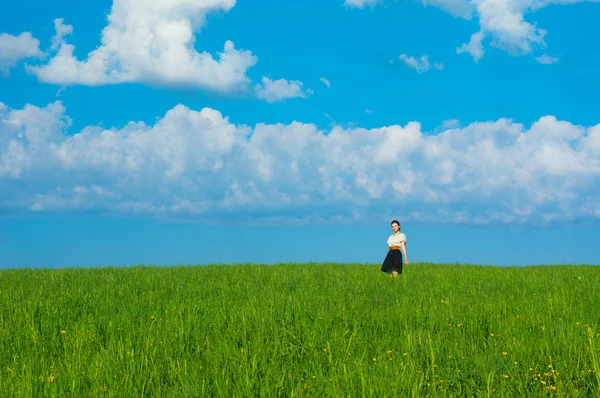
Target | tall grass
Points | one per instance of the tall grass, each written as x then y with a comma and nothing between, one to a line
301,329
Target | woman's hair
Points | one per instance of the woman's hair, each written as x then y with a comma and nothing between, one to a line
395,222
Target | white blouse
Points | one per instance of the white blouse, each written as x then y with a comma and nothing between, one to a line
396,240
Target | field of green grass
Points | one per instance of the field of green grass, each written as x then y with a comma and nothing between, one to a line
301,330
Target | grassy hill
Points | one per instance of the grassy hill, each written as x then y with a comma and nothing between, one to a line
301,330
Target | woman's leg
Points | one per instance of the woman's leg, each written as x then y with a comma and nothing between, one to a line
398,265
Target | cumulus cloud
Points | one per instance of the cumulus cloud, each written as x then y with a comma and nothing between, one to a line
199,165
421,64
61,30
474,47
15,48
279,90
504,23
547,59
361,3
152,43
501,21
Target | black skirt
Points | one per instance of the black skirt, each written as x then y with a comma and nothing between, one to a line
392,262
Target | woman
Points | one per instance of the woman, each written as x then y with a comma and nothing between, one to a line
393,261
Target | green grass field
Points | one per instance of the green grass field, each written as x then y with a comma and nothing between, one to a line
301,330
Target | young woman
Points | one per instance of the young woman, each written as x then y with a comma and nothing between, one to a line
393,261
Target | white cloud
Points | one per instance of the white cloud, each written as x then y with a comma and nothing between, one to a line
474,47
15,48
547,59
61,30
361,3
198,165
449,125
502,21
326,82
152,43
421,64
279,90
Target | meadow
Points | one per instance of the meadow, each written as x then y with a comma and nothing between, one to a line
340,330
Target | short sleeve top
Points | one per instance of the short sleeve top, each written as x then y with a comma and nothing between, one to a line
396,240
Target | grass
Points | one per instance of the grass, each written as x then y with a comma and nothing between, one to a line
301,330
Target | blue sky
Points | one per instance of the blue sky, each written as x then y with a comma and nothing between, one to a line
476,126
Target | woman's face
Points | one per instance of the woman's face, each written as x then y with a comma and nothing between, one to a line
395,227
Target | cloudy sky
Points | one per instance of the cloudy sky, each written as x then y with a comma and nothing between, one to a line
275,124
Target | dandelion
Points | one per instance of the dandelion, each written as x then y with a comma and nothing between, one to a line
63,332
506,376
324,349
504,353
389,352
50,379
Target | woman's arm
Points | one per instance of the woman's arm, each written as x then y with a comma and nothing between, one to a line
404,252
